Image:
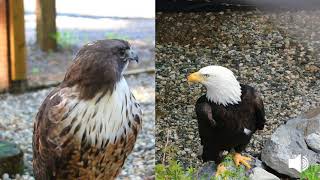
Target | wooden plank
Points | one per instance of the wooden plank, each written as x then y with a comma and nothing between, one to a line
17,45
4,49
46,24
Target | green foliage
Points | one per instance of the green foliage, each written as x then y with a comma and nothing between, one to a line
174,171
111,35
35,70
236,173
65,39
312,173
170,151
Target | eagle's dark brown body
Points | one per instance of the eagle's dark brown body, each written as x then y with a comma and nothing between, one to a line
223,127
87,126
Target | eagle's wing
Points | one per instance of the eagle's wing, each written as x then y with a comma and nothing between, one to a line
259,111
204,116
48,144
204,111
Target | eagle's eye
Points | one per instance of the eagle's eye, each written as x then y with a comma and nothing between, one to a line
206,75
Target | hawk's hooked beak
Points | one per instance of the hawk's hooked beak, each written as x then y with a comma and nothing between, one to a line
195,77
132,55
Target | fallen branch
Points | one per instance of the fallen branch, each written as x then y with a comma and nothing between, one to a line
54,84
165,146
139,71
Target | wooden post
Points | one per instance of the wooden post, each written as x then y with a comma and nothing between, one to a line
46,24
17,46
4,49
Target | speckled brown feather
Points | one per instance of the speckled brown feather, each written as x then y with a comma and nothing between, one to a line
57,155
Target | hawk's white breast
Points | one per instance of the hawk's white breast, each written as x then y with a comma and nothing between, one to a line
105,117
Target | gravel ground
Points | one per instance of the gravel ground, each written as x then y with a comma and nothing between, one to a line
18,112
277,53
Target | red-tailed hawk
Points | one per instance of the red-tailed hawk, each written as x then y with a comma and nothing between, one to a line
88,125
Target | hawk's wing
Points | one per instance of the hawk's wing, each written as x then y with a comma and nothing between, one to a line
48,144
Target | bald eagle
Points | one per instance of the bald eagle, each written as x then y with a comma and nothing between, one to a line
88,125
228,114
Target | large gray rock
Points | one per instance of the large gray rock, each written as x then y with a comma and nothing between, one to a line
11,159
288,141
261,174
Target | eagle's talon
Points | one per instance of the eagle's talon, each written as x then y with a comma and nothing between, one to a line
220,170
238,158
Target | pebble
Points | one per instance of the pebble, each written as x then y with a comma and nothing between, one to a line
5,176
313,141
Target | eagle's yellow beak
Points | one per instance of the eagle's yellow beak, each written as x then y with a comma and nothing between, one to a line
195,77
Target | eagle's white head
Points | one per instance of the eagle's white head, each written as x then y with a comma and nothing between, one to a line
222,86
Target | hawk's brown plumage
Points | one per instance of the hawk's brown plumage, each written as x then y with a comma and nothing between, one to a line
87,126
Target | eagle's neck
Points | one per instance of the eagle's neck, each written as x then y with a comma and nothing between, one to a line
224,92
105,117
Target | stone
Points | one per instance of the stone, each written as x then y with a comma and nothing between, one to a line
288,142
11,159
261,174
313,141
5,176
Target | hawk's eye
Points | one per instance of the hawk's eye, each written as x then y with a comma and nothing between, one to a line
123,52
206,75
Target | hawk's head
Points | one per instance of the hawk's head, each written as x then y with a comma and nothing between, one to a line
98,66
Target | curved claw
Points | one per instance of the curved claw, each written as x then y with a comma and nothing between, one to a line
238,158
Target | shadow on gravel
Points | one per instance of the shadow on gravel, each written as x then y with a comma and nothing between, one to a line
220,5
